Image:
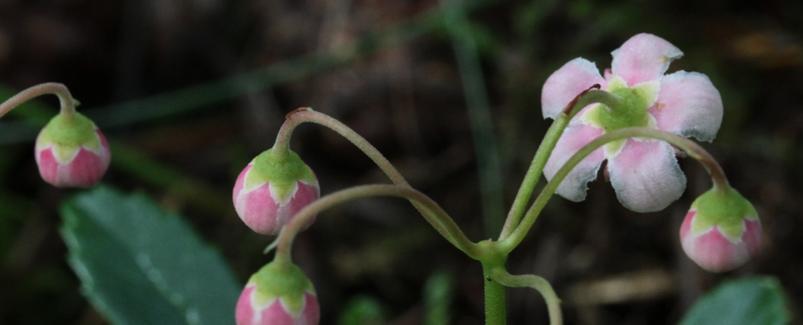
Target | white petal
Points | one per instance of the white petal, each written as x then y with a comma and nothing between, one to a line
646,176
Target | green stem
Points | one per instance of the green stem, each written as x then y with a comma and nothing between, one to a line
535,282
693,149
431,211
495,297
66,100
545,149
444,225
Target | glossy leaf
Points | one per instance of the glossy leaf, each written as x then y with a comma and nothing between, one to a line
141,265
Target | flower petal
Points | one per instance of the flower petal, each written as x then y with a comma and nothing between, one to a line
688,105
574,186
566,83
643,57
646,175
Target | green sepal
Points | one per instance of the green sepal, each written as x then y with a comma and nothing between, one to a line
281,170
68,132
283,280
724,208
633,112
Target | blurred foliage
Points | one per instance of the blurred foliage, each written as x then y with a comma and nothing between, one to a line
362,310
140,265
748,301
438,296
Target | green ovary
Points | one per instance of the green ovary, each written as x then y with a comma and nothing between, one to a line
633,111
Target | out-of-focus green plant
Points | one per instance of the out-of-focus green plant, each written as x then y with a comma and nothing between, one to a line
748,301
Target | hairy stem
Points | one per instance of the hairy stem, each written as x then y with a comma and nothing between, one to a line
535,282
431,211
445,226
545,149
66,100
691,148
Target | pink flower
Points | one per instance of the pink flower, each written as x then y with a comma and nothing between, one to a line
644,173
72,152
270,191
721,231
279,294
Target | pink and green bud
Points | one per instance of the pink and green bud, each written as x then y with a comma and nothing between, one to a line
279,294
721,231
72,152
272,189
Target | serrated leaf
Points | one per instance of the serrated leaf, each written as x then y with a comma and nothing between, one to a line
755,300
141,265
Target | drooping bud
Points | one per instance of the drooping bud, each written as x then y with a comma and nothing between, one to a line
278,294
272,189
721,231
72,152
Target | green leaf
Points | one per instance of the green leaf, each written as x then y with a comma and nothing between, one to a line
140,265
755,300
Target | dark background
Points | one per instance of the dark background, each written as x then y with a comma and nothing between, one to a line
188,91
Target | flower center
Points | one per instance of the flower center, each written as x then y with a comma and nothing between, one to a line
633,111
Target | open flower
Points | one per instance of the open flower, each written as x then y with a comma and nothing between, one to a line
644,173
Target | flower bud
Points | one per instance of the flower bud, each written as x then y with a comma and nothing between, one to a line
272,189
278,294
721,231
71,151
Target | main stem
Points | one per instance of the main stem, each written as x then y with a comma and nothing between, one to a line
693,149
533,175
66,101
445,225
495,298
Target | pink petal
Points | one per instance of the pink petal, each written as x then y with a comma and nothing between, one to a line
239,184
48,166
275,314
566,83
258,210
752,236
574,186
312,311
305,194
714,252
244,312
85,170
643,57
689,105
646,176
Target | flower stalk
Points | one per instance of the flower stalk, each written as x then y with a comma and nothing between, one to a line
66,101
694,150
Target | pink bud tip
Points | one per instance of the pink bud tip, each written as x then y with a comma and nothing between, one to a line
250,312
269,192
83,168
713,250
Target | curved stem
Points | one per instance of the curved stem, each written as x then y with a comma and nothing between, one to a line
445,225
66,100
432,212
691,148
535,282
545,149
